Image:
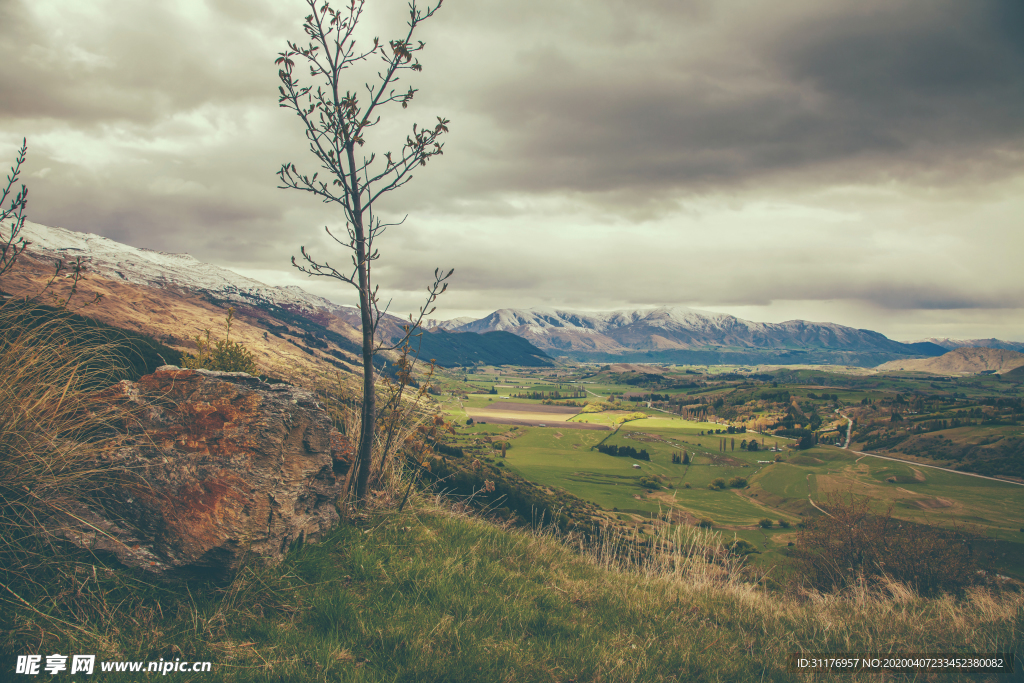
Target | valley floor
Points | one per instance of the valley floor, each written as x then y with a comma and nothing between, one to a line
536,414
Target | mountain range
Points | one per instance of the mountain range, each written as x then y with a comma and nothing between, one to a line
176,296
951,344
684,335
119,262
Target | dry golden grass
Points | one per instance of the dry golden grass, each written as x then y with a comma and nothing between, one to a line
437,594
53,431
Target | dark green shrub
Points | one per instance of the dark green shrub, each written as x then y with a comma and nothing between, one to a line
223,355
741,547
851,542
650,482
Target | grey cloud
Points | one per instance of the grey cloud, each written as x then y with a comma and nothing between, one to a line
856,92
726,266
104,62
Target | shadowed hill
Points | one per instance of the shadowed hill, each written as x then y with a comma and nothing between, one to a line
449,349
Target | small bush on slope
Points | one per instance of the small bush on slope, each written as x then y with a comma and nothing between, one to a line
222,355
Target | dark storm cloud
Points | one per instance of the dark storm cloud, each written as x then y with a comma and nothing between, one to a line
93,63
853,91
150,123
911,297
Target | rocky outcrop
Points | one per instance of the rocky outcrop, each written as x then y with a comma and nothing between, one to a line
222,467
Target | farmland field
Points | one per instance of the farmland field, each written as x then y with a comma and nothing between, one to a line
529,414
734,477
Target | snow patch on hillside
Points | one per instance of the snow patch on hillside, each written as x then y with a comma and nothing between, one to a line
121,262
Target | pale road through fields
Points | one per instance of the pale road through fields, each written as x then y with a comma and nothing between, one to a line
849,432
936,467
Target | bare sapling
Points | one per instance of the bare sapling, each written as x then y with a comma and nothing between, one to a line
337,122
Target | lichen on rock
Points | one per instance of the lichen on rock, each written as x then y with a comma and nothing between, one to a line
223,467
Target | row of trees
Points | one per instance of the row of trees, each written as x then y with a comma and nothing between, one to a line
652,397
548,395
624,452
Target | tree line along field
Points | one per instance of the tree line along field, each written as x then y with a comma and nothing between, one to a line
778,485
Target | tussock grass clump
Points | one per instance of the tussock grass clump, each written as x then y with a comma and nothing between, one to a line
53,429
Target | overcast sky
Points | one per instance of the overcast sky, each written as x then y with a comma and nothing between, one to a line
853,161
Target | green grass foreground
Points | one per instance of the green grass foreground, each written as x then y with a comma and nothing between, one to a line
436,595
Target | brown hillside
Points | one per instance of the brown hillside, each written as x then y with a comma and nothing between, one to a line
634,367
174,317
967,360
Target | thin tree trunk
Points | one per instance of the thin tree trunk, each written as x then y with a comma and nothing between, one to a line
369,411
368,426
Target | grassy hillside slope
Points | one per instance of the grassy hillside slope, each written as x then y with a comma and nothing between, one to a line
434,595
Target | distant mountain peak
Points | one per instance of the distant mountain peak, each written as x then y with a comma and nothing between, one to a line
991,343
446,325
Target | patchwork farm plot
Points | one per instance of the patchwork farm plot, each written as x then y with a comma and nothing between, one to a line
529,414
697,459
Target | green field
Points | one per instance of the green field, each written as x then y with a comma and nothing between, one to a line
561,457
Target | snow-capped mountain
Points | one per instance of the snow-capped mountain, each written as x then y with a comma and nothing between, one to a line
677,329
977,343
433,324
134,265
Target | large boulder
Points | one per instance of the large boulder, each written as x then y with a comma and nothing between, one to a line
222,467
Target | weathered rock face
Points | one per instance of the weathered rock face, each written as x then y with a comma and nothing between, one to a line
229,467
